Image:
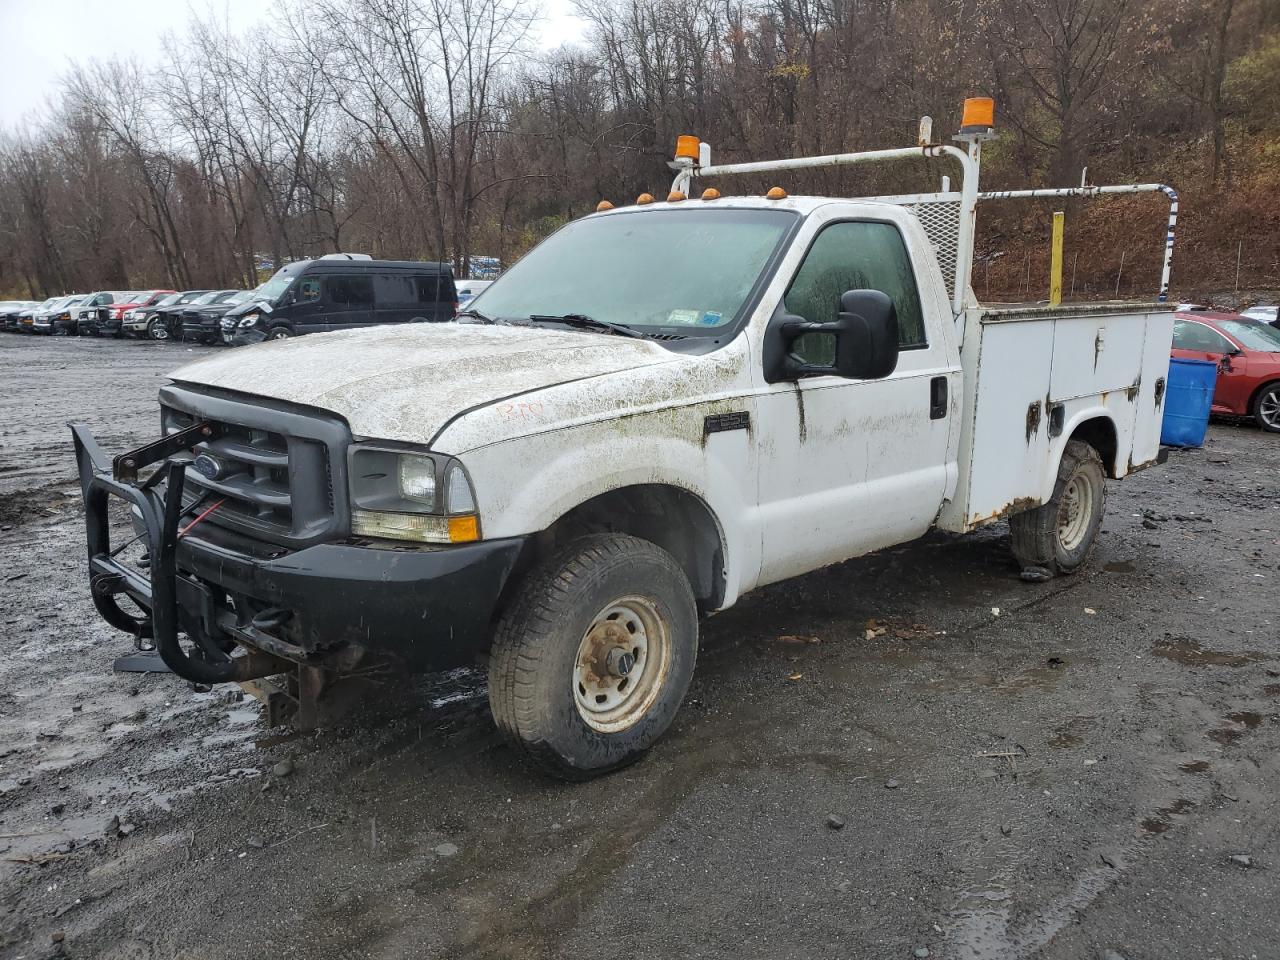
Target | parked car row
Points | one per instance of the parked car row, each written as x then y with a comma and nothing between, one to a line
334,292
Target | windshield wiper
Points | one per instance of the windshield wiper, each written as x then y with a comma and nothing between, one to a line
480,316
582,322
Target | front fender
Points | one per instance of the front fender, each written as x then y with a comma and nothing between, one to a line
523,486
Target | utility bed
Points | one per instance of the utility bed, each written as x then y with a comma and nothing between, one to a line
1102,359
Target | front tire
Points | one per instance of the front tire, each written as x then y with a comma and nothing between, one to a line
279,333
1059,536
593,657
1266,408
156,330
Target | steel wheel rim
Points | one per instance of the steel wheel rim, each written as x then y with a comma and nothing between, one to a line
610,702
1075,512
1269,408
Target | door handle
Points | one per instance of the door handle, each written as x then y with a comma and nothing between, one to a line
937,398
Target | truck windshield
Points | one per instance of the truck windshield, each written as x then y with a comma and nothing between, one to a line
1255,335
687,272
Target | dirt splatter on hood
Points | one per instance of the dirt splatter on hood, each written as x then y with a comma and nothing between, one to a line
405,383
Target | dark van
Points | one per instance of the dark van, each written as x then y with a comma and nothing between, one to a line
341,291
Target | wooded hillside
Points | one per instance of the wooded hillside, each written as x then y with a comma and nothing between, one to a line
434,129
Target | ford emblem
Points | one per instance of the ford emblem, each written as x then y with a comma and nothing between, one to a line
208,466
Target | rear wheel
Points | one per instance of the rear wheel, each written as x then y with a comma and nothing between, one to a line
594,656
156,330
1266,408
1059,535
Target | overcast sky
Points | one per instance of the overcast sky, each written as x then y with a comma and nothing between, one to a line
38,38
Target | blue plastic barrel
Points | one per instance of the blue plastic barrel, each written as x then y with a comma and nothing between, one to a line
1188,394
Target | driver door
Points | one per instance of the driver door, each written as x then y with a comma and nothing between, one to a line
1193,340
847,466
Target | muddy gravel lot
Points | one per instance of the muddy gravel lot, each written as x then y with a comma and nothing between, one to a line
911,752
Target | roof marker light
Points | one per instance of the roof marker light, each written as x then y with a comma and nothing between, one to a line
711,193
776,193
603,205
675,196
644,198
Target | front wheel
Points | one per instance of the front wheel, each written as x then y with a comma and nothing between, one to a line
156,330
1059,535
594,656
279,333
1266,408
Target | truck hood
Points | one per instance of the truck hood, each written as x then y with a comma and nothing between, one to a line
407,382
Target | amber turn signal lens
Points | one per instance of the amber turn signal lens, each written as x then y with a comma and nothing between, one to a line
711,193
776,193
979,114
464,529
644,198
687,147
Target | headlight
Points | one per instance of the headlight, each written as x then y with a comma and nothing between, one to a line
249,319
407,495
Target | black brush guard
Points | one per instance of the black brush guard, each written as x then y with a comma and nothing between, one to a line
158,502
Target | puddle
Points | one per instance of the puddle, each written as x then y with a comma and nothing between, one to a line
1064,740
1225,736
1250,719
1271,690
1040,678
1189,653
1162,819
979,924
1119,566
1194,766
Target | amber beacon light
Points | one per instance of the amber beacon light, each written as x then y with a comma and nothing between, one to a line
979,115
687,147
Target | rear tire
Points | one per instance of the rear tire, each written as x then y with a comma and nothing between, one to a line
1059,536
1266,408
594,655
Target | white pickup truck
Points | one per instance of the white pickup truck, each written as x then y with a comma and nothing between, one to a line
658,409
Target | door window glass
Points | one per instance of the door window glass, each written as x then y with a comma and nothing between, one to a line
391,290
1196,336
308,290
854,256
426,285
349,290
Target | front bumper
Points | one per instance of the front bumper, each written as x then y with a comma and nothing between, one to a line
334,605
245,336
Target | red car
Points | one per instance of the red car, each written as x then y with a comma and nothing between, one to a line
1247,352
113,325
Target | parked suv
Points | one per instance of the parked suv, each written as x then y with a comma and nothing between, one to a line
339,292
199,320
150,322
88,317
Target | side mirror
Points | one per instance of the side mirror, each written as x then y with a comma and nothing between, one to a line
866,341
